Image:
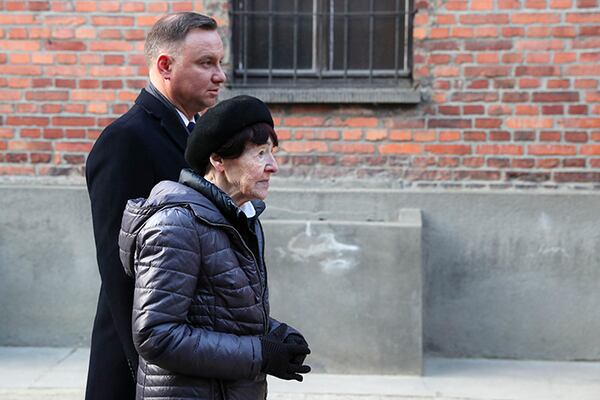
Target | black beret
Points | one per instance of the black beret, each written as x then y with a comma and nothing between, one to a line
220,123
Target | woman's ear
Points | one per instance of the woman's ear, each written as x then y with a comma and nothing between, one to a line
217,162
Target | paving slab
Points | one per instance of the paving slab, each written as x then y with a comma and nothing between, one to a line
32,373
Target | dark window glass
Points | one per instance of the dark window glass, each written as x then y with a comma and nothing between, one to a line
283,41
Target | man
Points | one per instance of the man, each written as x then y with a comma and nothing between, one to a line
141,148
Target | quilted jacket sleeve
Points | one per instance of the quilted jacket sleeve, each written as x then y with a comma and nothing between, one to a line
168,264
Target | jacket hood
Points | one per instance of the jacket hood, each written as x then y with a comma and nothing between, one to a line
204,199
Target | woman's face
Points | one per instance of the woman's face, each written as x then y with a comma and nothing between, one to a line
247,177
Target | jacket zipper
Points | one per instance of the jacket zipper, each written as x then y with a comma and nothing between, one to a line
262,286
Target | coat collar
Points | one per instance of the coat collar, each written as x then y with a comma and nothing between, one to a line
168,117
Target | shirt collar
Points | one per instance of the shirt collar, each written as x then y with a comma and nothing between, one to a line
248,209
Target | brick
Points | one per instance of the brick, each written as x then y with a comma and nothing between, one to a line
73,121
396,148
484,19
498,163
449,110
352,148
589,30
529,123
53,133
504,83
550,136
515,97
488,45
561,4
472,97
583,18
113,21
473,110
400,135
574,163
536,4
476,136
577,176
523,163
553,110
589,57
529,83
92,95
499,136
304,121
16,170
40,158
304,147
73,147
484,123
499,109
458,149
66,45
528,176
137,6
527,110
489,72
479,84
537,71
50,95
551,150
487,58
509,4
535,18
590,150
376,134
424,136
449,123
462,32
111,45
363,122
27,121
512,58
513,31
576,137
579,109
587,44
449,136
477,175
538,58
581,123
539,45
500,149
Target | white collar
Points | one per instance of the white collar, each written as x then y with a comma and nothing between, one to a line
248,209
185,119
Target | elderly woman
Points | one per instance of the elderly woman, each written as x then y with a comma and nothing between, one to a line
201,319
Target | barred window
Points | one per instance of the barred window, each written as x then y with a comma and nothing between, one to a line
304,44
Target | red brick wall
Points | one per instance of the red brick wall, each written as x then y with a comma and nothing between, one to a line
510,87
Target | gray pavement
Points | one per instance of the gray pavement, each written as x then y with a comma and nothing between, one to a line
28,373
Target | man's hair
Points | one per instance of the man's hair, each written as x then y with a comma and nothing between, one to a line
170,30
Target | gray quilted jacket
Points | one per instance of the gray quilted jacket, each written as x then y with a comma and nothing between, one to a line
201,300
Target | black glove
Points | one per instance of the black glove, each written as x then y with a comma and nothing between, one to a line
278,356
294,338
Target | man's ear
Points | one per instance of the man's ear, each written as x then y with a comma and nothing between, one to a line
217,162
163,64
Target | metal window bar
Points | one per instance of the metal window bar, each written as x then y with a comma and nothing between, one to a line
371,7
321,47
270,41
295,42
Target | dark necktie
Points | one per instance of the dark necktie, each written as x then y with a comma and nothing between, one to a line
190,126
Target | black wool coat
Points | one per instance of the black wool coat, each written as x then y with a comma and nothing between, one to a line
136,151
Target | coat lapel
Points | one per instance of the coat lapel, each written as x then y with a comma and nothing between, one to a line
169,119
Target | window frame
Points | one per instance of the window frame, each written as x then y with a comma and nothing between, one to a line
399,88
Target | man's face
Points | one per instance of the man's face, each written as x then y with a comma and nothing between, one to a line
196,73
